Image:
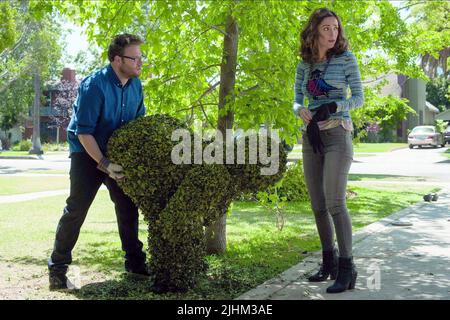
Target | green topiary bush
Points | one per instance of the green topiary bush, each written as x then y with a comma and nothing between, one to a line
177,201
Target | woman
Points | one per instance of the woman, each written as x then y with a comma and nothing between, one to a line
326,71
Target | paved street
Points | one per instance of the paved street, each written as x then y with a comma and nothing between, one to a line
426,162
45,162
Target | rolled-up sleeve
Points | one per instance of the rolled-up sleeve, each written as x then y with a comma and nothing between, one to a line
298,96
353,78
90,101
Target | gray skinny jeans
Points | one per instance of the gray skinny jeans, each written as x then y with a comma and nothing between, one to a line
326,179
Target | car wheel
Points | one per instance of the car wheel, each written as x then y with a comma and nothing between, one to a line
411,146
420,147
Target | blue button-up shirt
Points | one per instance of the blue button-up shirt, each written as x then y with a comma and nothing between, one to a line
102,106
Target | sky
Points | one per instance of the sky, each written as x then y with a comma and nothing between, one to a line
75,41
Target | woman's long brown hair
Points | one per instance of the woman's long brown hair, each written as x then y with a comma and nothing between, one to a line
309,50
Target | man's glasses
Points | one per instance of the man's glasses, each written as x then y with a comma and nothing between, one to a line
134,59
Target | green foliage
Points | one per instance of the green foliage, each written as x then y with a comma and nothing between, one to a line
35,43
386,111
24,145
184,44
8,16
14,102
430,25
293,185
55,146
177,200
438,93
441,125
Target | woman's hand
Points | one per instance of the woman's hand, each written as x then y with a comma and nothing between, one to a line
306,115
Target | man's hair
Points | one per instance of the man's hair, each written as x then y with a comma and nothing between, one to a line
309,37
120,42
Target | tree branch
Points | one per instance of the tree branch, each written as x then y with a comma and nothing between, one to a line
244,92
208,25
206,116
204,94
195,71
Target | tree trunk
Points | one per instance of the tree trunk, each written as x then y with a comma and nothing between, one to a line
216,238
36,148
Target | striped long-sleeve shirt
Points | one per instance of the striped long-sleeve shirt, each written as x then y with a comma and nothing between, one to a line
342,72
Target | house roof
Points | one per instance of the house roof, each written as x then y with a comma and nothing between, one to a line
431,108
444,115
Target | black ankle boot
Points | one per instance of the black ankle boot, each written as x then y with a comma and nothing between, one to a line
346,277
329,267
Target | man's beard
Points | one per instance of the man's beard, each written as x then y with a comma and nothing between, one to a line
128,74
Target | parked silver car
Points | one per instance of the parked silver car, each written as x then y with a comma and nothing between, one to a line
425,136
447,135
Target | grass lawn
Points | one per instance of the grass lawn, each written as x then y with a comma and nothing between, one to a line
383,177
256,251
360,148
377,147
447,153
9,153
15,154
17,184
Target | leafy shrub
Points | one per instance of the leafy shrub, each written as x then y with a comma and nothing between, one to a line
177,201
24,145
55,147
292,185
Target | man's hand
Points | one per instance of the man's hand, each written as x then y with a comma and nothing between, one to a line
113,170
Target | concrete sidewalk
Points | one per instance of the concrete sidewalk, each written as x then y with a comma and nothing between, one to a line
394,260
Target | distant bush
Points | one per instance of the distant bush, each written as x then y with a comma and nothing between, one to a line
24,145
55,147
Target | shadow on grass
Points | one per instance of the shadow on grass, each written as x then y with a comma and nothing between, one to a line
258,253
366,210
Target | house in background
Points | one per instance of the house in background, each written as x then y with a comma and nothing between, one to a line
445,116
50,131
414,90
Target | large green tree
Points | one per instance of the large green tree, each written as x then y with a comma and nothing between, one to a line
231,64
430,22
31,52
438,92
14,104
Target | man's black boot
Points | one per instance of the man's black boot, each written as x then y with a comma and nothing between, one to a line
58,281
140,270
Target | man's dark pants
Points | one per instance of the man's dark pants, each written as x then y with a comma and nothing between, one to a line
85,180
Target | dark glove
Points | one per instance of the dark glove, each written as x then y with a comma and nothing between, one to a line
325,110
312,130
115,171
